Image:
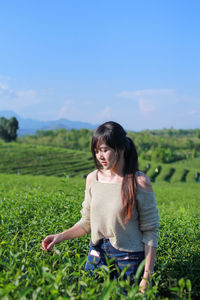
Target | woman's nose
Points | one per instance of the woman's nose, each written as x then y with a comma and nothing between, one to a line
101,154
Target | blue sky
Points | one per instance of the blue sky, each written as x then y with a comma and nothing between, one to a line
134,62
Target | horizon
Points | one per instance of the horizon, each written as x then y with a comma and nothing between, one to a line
95,125
136,63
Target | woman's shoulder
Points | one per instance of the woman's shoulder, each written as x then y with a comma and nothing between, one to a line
90,178
143,181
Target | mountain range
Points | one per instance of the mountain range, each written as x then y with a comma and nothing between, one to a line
30,126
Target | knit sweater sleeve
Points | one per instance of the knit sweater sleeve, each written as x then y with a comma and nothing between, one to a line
148,216
84,222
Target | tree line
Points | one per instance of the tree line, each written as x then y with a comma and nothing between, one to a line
8,129
166,145
159,145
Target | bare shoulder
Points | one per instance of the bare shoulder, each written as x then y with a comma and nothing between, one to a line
143,181
90,178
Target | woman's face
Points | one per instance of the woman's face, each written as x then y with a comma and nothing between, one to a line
106,156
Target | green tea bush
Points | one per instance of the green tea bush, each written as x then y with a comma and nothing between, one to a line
43,160
24,159
32,207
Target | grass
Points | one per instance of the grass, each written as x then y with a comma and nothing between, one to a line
32,207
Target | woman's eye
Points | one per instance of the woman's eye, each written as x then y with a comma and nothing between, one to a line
101,150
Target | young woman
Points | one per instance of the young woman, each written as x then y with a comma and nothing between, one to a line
119,209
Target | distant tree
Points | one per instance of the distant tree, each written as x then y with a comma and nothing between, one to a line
3,128
8,129
164,145
190,143
164,155
41,133
198,133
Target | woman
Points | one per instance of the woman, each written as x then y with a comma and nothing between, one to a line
119,209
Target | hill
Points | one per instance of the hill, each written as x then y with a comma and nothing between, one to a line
21,158
40,160
30,126
184,171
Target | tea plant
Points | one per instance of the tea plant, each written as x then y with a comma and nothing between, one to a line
43,160
32,207
19,158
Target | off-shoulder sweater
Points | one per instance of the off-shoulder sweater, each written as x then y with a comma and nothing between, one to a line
101,216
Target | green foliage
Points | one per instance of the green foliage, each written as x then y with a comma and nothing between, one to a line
198,133
39,160
33,207
183,171
71,139
8,129
20,158
163,146
164,155
167,145
179,252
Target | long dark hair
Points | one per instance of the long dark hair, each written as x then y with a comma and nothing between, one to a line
114,136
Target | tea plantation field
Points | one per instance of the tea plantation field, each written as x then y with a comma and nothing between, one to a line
43,160
19,158
32,207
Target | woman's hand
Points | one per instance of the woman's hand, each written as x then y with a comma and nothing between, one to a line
50,241
69,234
144,283
150,255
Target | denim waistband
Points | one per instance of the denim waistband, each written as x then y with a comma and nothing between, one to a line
105,242
100,242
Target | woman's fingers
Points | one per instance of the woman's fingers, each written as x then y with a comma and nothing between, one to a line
43,245
50,241
142,286
46,243
50,246
141,290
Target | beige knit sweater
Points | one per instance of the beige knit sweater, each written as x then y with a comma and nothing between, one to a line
101,216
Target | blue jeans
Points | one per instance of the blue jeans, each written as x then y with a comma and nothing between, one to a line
120,259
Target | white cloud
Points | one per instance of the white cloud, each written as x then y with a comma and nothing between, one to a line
26,93
106,113
42,104
148,92
192,113
12,94
16,99
159,108
5,91
152,101
65,109
5,78
146,106
3,87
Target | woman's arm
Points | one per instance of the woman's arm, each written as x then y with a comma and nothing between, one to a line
145,211
150,257
69,234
